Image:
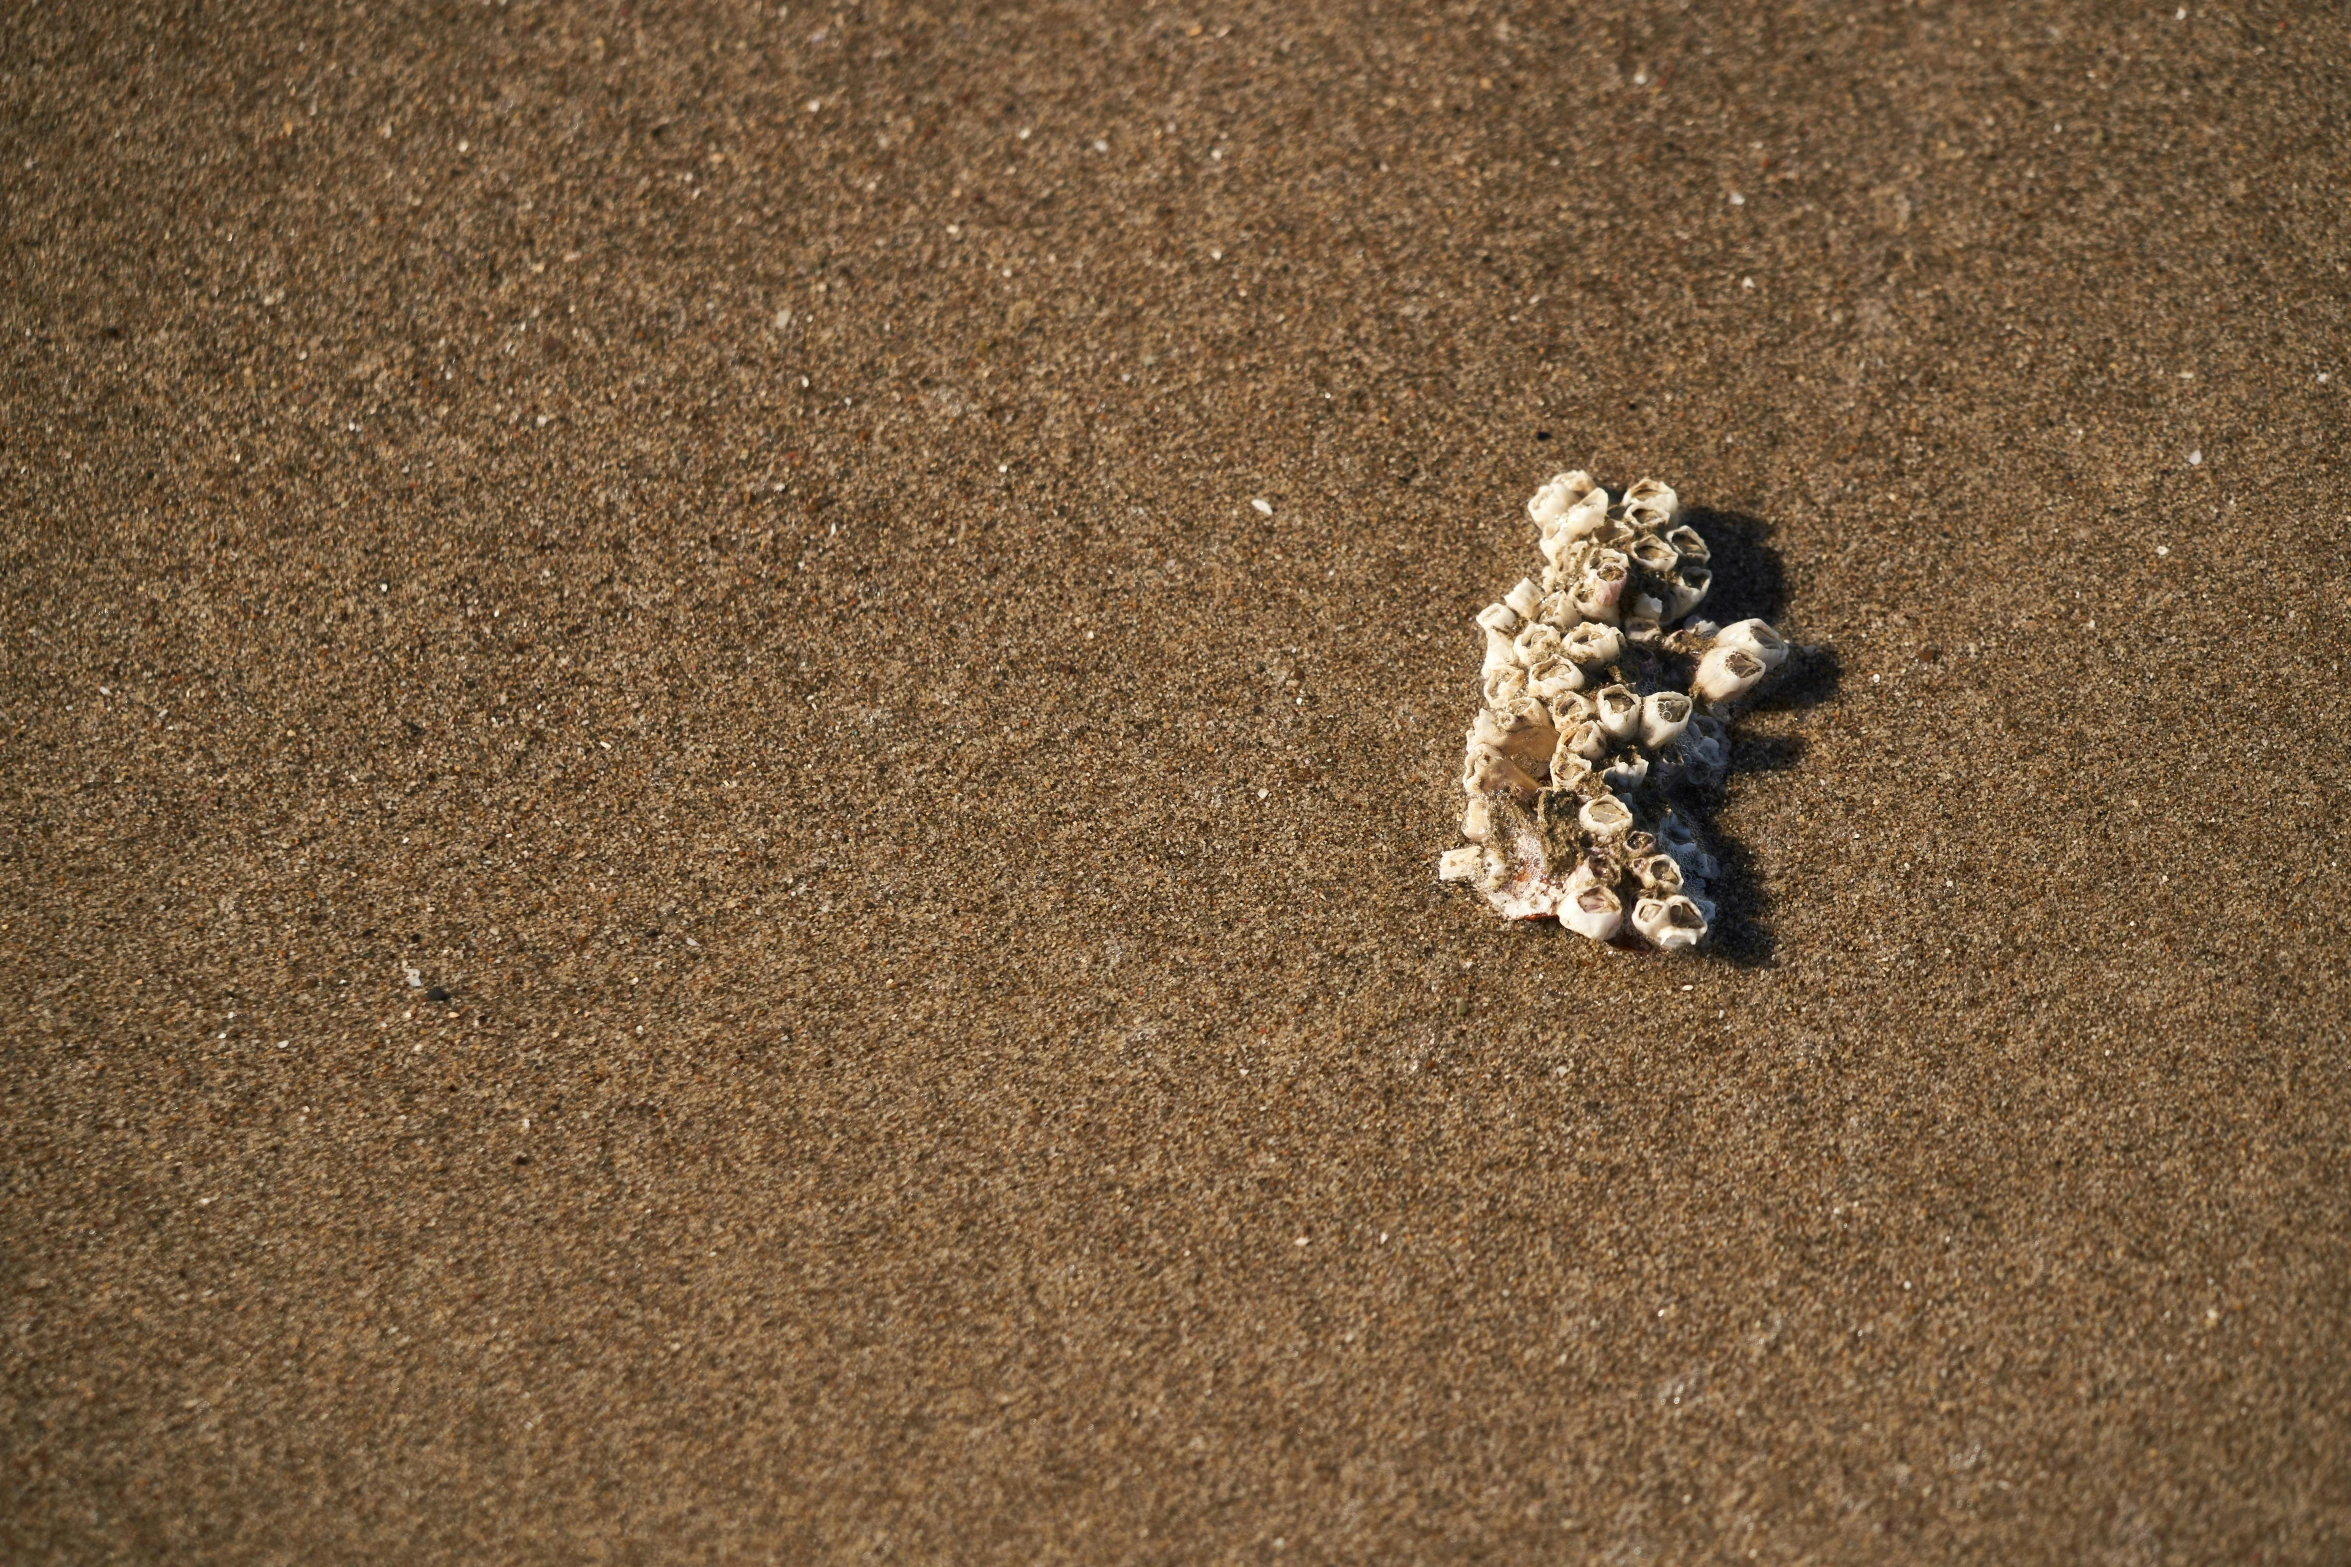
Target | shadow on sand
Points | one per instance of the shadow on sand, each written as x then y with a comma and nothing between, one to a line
1748,583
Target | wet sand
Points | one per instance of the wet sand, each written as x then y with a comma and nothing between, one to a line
687,881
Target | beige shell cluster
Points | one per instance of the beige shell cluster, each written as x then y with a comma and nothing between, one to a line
1604,722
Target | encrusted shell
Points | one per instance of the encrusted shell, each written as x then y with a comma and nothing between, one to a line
1602,717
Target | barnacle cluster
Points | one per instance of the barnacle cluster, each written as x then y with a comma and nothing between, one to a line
1604,723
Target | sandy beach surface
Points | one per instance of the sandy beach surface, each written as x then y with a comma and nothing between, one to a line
684,879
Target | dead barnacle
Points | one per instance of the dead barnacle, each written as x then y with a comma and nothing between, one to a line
1604,722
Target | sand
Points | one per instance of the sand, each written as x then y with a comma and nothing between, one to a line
721,541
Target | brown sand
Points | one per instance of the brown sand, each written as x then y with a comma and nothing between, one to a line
953,1049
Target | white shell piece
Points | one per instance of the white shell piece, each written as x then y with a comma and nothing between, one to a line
1459,864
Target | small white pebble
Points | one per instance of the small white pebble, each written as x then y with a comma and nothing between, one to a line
1261,794
1264,508
2163,549
1738,200
1101,146
2196,459
1746,282
1301,1240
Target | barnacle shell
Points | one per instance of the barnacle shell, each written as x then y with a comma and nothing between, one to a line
1664,715
1619,711
1593,911
1671,922
1592,644
1726,673
1603,719
1756,637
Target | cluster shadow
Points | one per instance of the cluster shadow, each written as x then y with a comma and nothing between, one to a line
1749,582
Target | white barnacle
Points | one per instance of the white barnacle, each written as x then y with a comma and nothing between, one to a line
1688,545
1660,875
1586,765
1726,673
1502,684
1550,681
1520,728
1647,495
1569,767
1499,618
1626,771
1587,517
1592,645
1602,586
1652,554
1487,771
1592,910
1587,740
1619,711
1664,715
1685,587
1671,923
1572,711
1554,499
1605,817
1756,637
1535,644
